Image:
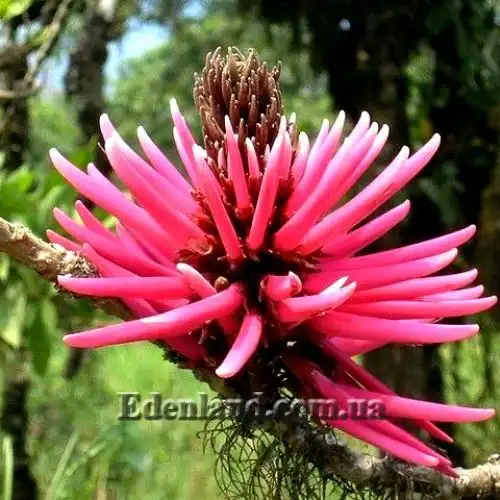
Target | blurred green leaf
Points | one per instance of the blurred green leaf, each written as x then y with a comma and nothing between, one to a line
8,466
4,267
16,305
13,8
39,335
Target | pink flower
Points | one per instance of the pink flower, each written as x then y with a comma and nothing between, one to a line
258,255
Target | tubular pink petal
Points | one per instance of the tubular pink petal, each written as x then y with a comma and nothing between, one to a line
179,226
323,149
186,157
319,201
161,163
364,164
204,289
103,265
146,288
267,196
162,326
343,394
286,158
109,248
417,162
357,209
385,442
224,225
415,288
181,199
236,172
348,244
399,407
298,309
353,347
299,163
465,294
368,380
97,176
383,275
91,221
389,182
244,346
114,202
199,284
129,241
253,162
184,141
106,126
407,309
185,345
66,243
338,175
369,328
151,250
277,288
407,253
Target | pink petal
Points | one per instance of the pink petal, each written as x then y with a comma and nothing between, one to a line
319,199
92,222
109,248
398,407
161,163
413,309
66,243
299,163
179,226
323,149
407,253
244,346
202,287
162,326
267,196
375,149
369,381
236,172
184,142
350,243
298,309
253,162
355,210
371,328
414,288
277,288
465,294
129,241
353,347
389,182
113,201
140,287
383,275
343,394
221,218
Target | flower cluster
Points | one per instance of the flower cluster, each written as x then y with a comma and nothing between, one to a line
257,257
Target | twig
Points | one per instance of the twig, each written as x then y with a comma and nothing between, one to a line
327,454
11,95
54,31
50,260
